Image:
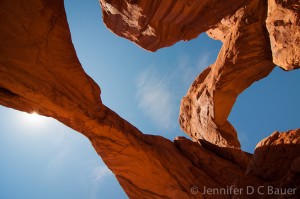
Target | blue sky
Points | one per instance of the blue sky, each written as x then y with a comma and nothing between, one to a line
41,158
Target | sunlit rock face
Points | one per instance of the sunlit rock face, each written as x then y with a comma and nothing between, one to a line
245,57
283,24
153,24
40,72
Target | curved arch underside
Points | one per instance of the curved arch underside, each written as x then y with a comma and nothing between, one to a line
39,71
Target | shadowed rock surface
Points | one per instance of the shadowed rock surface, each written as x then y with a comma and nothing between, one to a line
275,168
39,71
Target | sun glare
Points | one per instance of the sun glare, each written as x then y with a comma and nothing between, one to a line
34,118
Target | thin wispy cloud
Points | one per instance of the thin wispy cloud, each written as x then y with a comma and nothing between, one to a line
155,98
57,162
204,61
101,172
158,95
63,148
244,139
190,69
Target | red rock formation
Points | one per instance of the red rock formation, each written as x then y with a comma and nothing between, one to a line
149,23
275,167
39,71
283,24
244,58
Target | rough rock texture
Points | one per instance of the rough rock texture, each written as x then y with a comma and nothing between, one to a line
283,24
40,72
275,164
245,57
153,24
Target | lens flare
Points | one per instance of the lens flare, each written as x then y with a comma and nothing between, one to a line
34,118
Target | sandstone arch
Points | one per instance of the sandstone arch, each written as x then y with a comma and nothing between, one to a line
39,71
